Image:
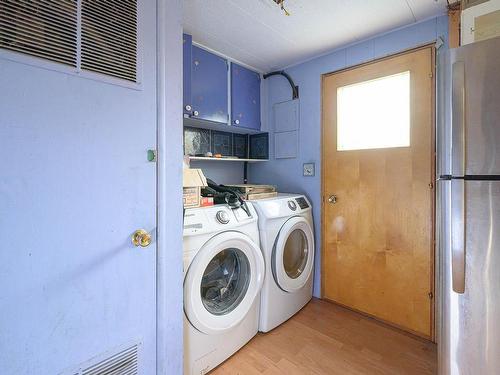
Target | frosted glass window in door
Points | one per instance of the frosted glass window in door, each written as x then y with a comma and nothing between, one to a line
374,114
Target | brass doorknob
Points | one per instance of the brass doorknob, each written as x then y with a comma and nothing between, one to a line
141,238
332,199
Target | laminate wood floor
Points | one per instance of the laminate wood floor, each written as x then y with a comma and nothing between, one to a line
324,338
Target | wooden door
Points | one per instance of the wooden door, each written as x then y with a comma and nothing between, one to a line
378,203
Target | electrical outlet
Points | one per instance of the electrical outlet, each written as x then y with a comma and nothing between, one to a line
308,170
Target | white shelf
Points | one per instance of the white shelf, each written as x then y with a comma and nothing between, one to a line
218,126
225,159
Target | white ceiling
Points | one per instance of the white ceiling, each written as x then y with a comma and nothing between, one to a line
257,33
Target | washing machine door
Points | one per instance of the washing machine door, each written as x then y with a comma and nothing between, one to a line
293,254
222,282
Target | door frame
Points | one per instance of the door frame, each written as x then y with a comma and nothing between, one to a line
434,272
169,219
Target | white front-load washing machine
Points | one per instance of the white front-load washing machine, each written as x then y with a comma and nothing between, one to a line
223,276
287,242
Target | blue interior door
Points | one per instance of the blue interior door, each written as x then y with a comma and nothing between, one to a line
186,67
245,97
209,86
75,184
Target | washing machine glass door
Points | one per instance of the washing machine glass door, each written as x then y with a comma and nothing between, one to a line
222,282
293,254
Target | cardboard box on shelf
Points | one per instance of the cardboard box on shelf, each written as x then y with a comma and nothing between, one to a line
207,201
252,191
255,196
193,181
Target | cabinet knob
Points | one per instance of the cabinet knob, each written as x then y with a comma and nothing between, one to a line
237,122
196,113
188,108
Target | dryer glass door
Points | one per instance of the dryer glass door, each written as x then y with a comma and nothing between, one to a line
293,254
222,282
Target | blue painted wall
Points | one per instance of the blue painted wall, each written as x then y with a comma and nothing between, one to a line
222,172
287,173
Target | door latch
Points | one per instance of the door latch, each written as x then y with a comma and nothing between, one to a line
332,199
152,155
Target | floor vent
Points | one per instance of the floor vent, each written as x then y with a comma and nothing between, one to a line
124,362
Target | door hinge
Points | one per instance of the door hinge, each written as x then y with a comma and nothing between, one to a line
431,185
439,43
431,75
431,296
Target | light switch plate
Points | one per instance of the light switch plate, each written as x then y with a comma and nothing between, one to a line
308,169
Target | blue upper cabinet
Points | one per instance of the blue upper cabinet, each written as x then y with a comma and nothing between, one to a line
187,58
209,80
245,97
206,95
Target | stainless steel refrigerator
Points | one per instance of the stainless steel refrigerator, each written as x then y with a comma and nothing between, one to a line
468,208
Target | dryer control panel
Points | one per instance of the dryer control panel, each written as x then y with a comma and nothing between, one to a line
283,205
302,203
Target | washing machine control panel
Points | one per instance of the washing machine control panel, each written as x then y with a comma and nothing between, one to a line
222,217
292,205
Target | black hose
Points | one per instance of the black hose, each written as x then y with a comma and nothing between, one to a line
295,89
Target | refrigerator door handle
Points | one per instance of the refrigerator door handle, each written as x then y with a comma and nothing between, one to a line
458,235
458,119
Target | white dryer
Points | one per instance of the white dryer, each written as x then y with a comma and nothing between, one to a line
287,242
223,276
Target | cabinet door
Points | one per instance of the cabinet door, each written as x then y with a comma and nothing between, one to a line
186,67
245,97
209,86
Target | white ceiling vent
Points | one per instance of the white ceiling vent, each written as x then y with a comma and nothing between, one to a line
46,29
109,37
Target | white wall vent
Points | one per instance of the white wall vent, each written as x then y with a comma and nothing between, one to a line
46,29
109,37
98,36
122,362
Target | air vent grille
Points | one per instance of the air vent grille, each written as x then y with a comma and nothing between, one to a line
109,37
97,36
122,363
41,28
